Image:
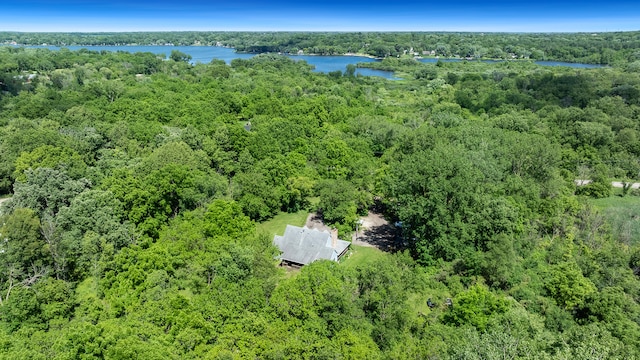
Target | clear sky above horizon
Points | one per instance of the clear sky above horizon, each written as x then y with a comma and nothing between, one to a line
329,15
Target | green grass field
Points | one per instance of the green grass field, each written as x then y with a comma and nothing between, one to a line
279,222
359,255
623,213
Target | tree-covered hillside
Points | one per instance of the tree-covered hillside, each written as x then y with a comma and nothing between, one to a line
136,184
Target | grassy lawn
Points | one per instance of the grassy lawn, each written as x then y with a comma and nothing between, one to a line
359,255
356,256
623,213
279,222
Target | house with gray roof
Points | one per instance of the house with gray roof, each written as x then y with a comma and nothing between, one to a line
301,246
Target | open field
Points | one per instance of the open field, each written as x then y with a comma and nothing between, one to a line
279,222
623,213
359,255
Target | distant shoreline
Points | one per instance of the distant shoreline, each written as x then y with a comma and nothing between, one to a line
417,58
347,54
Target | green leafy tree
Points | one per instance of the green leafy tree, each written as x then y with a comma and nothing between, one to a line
18,136
177,55
475,306
567,286
21,310
48,156
383,292
500,265
338,202
600,186
438,197
91,229
24,253
46,190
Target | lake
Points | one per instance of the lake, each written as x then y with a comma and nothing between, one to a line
204,54
327,64
324,64
573,65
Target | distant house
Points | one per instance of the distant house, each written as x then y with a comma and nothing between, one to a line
301,246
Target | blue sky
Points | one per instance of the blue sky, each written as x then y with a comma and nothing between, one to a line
329,15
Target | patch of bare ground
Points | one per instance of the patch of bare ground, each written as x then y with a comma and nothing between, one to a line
314,221
375,231
616,184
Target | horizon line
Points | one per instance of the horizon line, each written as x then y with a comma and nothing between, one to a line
316,31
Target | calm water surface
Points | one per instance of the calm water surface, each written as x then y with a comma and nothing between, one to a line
573,65
325,64
204,54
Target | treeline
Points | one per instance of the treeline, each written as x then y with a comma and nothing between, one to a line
136,184
609,48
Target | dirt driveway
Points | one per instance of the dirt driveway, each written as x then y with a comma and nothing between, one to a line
616,184
375,231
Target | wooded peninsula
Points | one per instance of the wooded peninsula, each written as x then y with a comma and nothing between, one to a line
141,195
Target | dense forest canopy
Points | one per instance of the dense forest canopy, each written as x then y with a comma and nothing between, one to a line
139,186
607,48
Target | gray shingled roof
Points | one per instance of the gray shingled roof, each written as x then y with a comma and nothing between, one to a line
302,245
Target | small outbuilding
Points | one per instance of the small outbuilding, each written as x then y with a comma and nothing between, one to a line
301,246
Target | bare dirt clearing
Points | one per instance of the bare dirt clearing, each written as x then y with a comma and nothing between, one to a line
375,231
314,221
